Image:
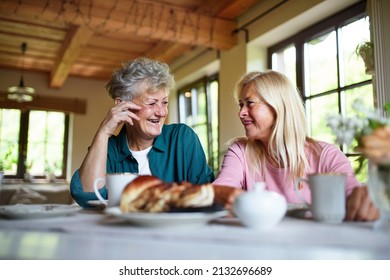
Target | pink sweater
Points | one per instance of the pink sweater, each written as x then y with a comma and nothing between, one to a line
234,172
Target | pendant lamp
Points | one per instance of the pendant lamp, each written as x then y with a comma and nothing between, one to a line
21,93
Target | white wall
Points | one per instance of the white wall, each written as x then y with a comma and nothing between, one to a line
233,66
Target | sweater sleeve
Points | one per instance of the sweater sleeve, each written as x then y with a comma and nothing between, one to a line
79,195
233,167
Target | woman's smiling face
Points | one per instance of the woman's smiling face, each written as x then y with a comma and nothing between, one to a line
154,110
255,114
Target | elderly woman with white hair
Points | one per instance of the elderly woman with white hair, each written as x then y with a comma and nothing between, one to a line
144,145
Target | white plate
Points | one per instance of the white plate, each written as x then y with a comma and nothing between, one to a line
33,211
166,219
296,206
96,202
298,210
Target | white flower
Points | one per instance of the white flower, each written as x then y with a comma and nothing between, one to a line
334,122
344,128
348,137
362,123
344,136
359,106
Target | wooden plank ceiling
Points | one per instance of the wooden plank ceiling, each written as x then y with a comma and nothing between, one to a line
89,38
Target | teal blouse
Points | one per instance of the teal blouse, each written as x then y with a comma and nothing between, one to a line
176,156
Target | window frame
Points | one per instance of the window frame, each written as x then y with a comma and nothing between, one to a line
298,40
23,142
204,82
334,22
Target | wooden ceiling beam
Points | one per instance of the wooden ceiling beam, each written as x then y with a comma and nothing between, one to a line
44,102
173,52
235,8
167,51
145,19
77,38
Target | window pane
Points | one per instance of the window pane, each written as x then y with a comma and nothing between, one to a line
45,148
201,130
352,69
214,123
364,93
321,64
200,118
362,175
198,108
185,108
9,139
202,112
319,108
284,61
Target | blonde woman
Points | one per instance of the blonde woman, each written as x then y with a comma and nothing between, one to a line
276,148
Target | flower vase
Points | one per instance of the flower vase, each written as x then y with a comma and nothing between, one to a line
379,191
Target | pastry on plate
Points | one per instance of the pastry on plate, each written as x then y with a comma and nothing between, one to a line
147,193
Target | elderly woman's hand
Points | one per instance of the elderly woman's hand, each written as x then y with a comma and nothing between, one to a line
360,206
122,112
376,146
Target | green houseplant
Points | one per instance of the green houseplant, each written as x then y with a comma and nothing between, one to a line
366,51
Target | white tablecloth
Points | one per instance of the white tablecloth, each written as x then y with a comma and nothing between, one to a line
93,235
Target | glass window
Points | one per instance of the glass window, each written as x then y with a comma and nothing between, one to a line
329,73
33,142
45,148
285,61
213,90
198,108
350,36
9,140
321,61
317,109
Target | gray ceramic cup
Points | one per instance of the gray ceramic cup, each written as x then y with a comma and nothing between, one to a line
328,199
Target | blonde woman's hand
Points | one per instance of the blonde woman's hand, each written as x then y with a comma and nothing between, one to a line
360,207
376,146
225,195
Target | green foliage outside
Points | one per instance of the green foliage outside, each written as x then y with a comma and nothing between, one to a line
45,145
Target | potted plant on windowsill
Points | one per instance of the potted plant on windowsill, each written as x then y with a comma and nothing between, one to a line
49,172
366,51
27,175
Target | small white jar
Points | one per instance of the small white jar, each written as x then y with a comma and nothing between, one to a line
260,209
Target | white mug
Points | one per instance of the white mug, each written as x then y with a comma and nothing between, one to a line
115,183
328,199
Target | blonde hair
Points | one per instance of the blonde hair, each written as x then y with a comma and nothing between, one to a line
288,140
